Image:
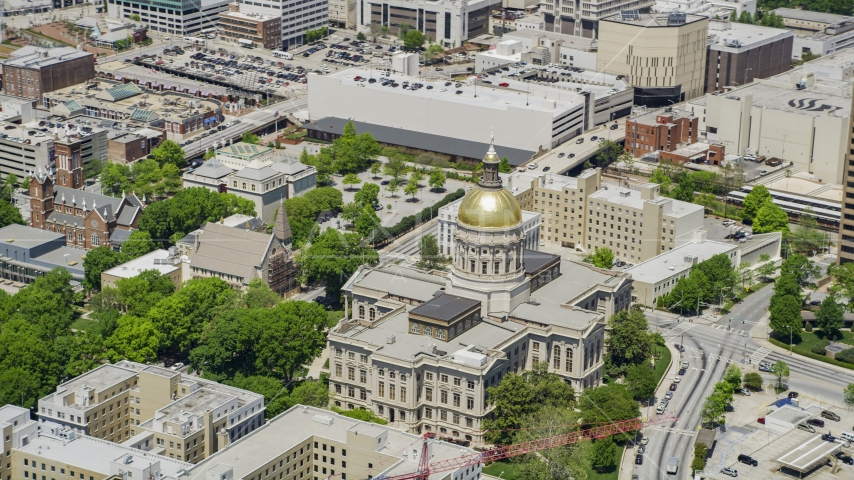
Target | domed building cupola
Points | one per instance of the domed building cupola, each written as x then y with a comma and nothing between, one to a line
490,205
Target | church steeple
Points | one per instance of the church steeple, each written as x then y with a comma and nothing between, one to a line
282,228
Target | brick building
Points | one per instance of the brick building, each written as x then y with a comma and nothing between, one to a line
30,76
661,130
131,146
261,29
86,219
709,153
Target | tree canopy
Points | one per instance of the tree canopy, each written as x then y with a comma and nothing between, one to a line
630,342
168,152
601,258
754,200
333,257
770,218
10,214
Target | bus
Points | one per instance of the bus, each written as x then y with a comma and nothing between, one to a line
281,54
245,43
195,41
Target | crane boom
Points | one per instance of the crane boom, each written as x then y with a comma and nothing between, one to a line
507,451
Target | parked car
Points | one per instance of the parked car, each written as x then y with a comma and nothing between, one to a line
546,169
795,395
641,450
638,459
815,422
682,371
806,428
729,471
177,366
677,379
672,387
614,126
684,364
844,458
747,460
828,438
761,420
668,395
830,415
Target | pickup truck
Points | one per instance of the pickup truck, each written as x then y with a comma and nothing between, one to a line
672,465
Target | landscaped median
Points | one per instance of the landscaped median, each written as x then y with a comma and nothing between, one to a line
807,353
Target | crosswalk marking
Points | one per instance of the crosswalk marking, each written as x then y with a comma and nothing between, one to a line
675,430
759,355
718,326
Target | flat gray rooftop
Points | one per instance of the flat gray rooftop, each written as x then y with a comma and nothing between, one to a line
195,403
672,262
819,17
403,282
27,237
8,412
790,415
650,20
406,346
808,455
297,426
546,302
445,307
533,260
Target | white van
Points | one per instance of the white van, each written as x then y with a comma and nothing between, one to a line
281,54
848,436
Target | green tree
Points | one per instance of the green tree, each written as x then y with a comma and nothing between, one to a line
9,214
184,315
411,187
314,393
249,137
361,37
801,269
376,168
604,453
368,195
437,179
630,342
351,211
806,236
431,256
607,404
829,317
664,181
134,339
504,165
259,295
393,186
137,295
395,168
351,179
753,381
781,373
786,286
688,292
276,398
718,275
641,382
771,218
725,390
413,39
757,197
333,257
168,152
20,387
732,376
745,17
768,268
367,223
713,410
9,185
609,152
115,178
138,244
564,462
292,334
786,318
99,260
847,395
685,190
601,258
518,396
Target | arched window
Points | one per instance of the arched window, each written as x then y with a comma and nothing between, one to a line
373,314
361,311
468,323
440,334
569,360
428,330
95,240
415,328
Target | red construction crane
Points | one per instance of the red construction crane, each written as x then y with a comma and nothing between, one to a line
507,451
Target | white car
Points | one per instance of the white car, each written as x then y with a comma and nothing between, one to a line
684,365
677,379
177,366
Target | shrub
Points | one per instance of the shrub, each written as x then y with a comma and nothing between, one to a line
846,355
808,327
820,347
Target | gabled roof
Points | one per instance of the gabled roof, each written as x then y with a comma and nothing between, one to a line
257,174
119,236
127,215
213,168
231,251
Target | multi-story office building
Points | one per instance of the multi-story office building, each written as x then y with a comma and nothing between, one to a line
799,116
707,8
342,13
262,30
662,130
817,33
739,52
448,222
154,409
446,22
580,212
663,56
313,444
31,76
582,19
420,350
174,17
18,430
846,225
298,17
30,253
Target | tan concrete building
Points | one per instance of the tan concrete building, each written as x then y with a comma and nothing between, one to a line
152,408
18,430
264,31
846,225
580,212
167,263
343,13
662,55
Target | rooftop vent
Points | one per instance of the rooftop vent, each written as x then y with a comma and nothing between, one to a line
390,339
322,419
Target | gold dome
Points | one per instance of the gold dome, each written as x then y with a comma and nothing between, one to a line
490,208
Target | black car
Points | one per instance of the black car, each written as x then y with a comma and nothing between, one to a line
546,169
681,371
619,263
458,92
828,438
638,459
795,395
384,182
844,458
614,126
816,422
746,459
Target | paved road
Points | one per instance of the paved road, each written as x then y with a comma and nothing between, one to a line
405,252
580,151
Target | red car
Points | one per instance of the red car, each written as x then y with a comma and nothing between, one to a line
761,420
673,387
503,84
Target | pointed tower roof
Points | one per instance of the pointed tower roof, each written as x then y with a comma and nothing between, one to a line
282,228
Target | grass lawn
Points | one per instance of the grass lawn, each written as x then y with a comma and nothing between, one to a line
333,316
662,363
83,324
811,339
511,470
